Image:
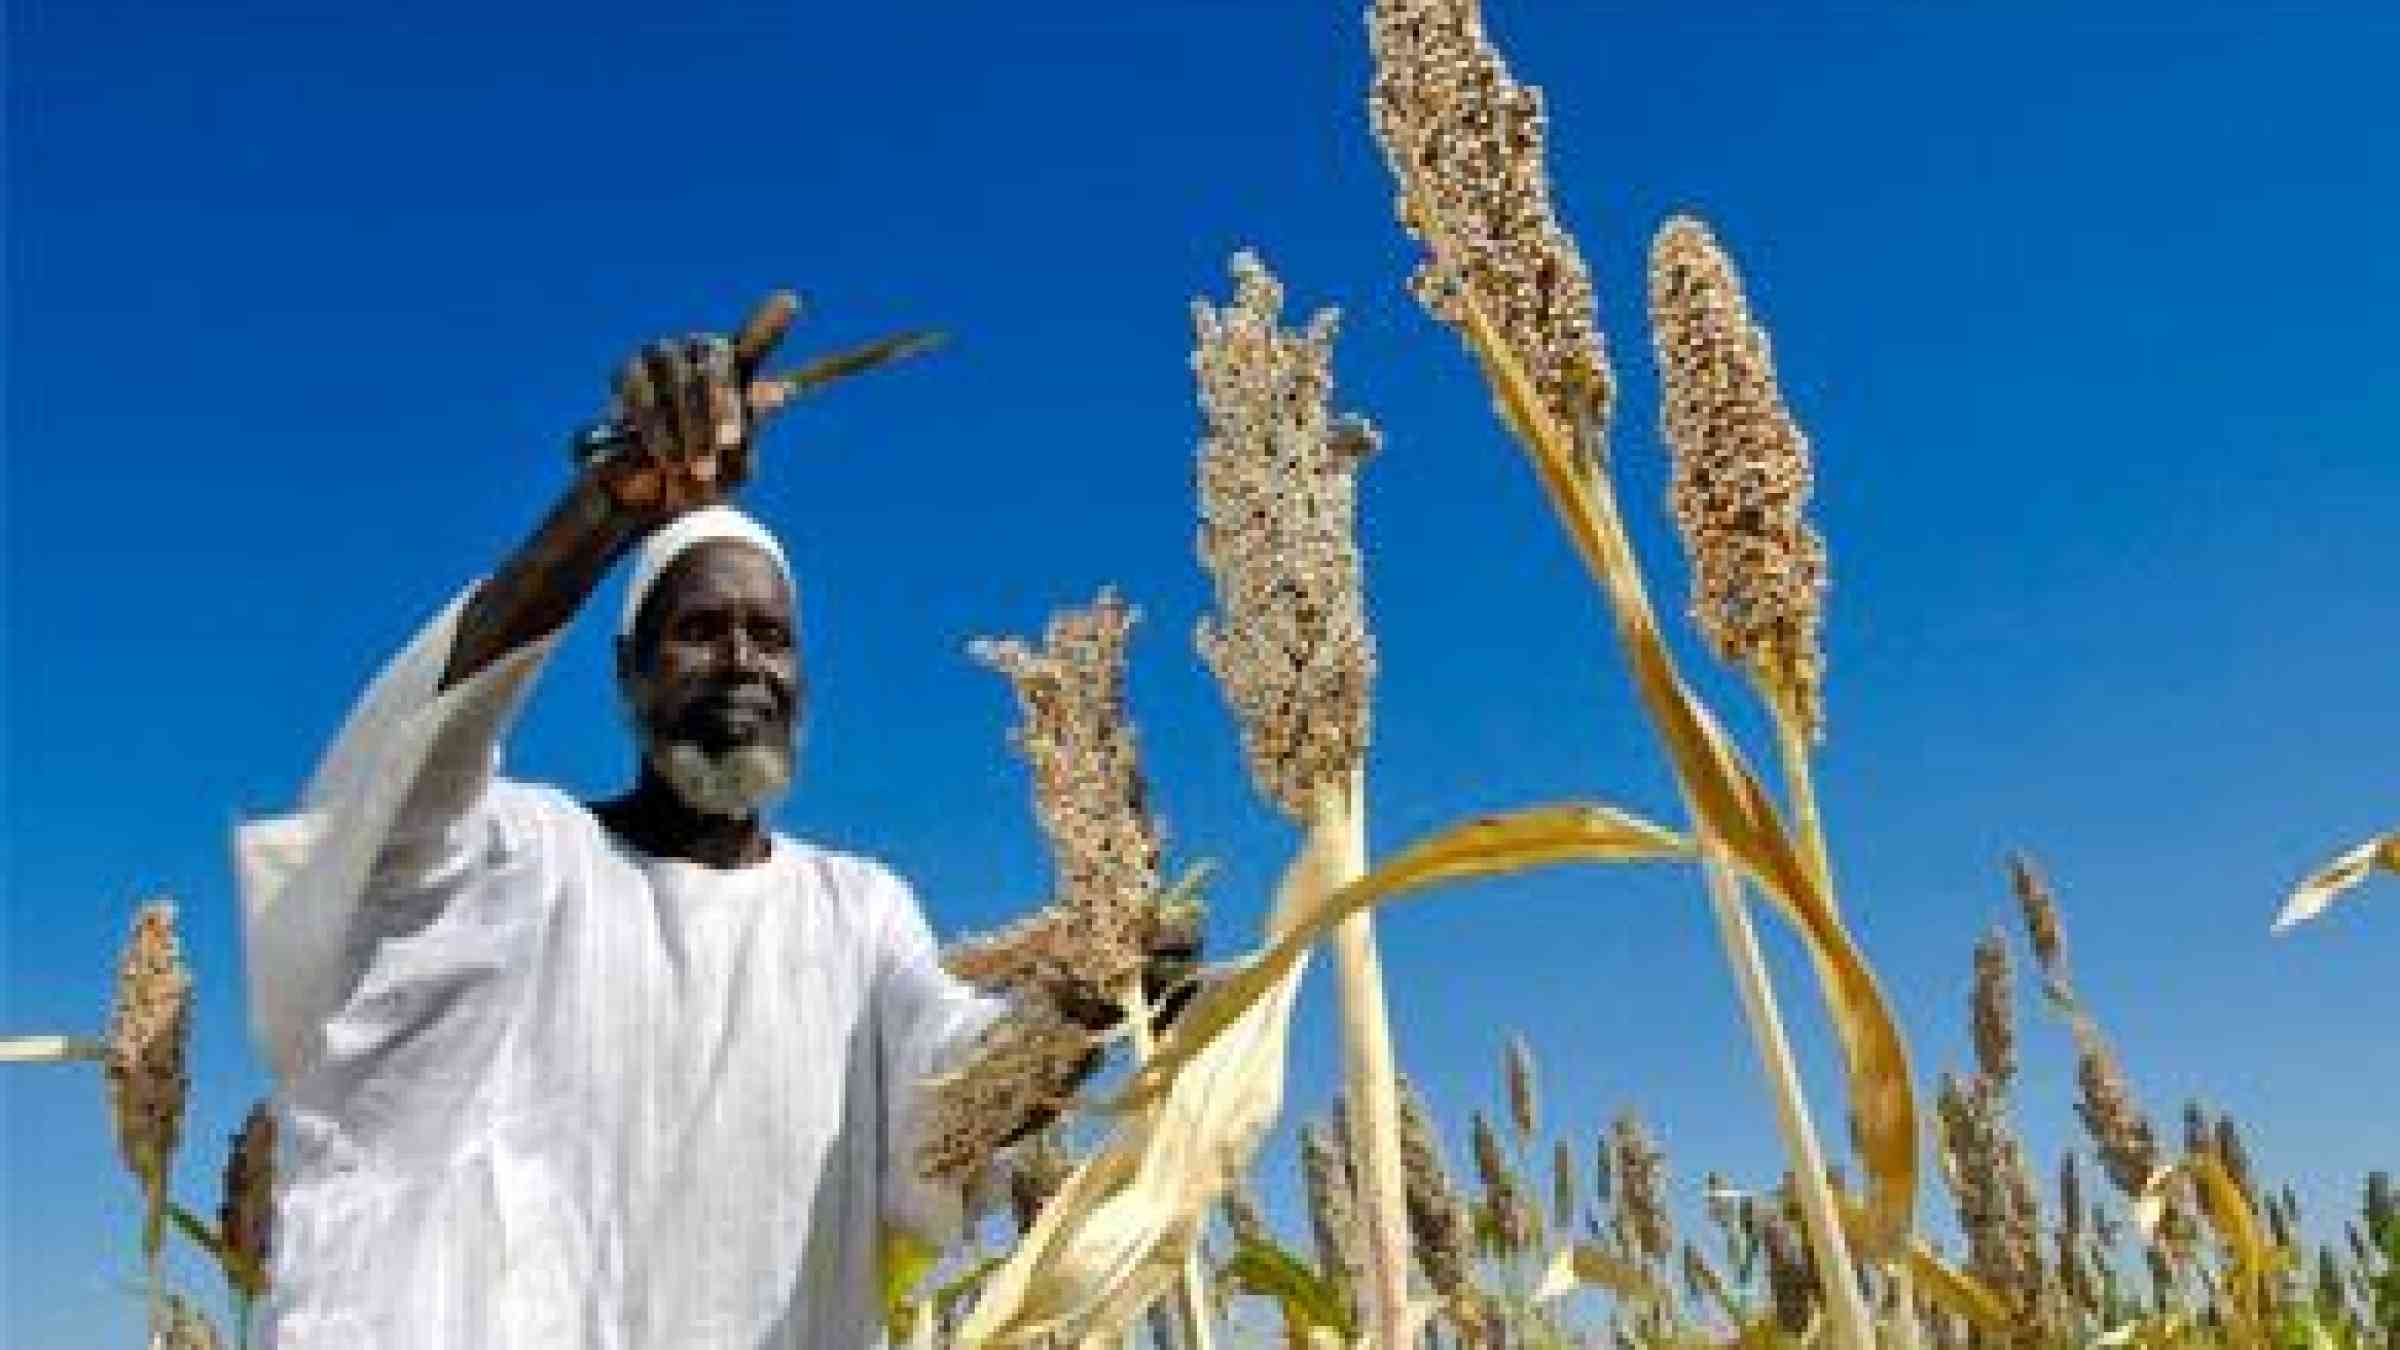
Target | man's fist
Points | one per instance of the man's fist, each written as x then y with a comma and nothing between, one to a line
687,407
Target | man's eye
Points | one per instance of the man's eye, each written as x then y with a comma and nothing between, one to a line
772,635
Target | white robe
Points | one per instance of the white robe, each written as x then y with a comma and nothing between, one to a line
538,1089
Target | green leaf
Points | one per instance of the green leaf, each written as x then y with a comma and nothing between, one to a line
1263,1266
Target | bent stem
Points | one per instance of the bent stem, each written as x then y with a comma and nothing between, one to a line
1845,1308
1191,1292
1800,789
1374,1102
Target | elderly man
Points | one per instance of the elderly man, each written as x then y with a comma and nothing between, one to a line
643,1073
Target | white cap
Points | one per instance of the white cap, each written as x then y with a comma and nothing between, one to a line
687,531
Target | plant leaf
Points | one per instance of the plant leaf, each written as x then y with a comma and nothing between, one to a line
1947,1285
905,1260
1727,796
50,1049
197,1229
1265,1267
2323,886
1117,1232
1583,1265
1484,846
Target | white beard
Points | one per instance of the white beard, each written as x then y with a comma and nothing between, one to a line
734,785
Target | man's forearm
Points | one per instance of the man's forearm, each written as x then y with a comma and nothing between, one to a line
542,584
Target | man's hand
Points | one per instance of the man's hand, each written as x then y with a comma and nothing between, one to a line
687,402
1168,981
1170,978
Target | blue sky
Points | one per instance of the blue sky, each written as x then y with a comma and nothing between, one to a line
2093,323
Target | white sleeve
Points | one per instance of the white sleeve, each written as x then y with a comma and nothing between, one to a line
927,1020
397,795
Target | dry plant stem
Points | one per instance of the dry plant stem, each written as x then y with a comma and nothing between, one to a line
1845,1308
1800,788
1374,1097
1600,537
1191,1292
1800,785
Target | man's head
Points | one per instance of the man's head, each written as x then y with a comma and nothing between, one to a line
708,663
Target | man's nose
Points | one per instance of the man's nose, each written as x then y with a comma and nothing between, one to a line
739,651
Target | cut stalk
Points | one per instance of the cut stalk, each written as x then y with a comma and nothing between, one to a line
1191,1290
1846,1309
1374,1099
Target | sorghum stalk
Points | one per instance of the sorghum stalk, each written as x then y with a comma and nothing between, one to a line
1092,803
1370,1069
1466,143
1845,1308
1741,476
1295,659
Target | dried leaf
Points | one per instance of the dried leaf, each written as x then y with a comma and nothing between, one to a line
2158,1330
2327,883
1485,846
1585,1265
1949,1287
1724,793
50,1049
1116,1234
2221,1199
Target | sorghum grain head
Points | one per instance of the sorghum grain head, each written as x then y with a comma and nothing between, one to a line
2043,930
246,1217
1791,1280
1437,1217
2332,1294
1994,1014
1641,1186
1466,144
1517,1071
1089,795
149,1026
1024,1063
1042,1167
2070,1195
1562,1187
1741,476
2382,1206
2236,1158
1289,644
2120,1132
1333,1208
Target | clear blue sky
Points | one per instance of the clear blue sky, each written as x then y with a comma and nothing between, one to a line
2094,323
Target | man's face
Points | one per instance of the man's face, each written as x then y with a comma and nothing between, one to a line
712,676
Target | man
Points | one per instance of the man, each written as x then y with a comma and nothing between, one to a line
638,1074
